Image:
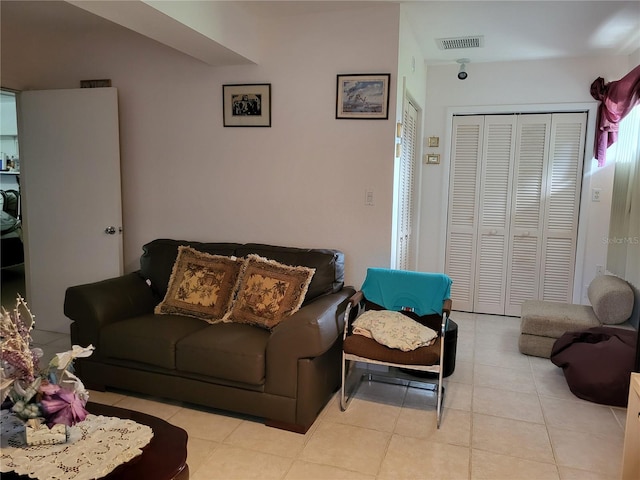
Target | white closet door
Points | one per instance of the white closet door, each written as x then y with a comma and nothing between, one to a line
460,258
532,145
561,203
494,213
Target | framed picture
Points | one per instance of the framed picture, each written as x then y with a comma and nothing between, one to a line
433,158
247,105
434,141
363,96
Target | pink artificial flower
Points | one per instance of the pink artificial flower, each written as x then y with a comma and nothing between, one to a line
48,388
62,406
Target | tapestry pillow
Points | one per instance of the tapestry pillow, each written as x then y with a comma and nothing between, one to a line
269,291
201,285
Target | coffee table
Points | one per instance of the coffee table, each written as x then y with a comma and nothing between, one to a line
164,458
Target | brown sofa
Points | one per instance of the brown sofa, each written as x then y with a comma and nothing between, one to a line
285,375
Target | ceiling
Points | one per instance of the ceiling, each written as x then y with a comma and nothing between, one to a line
512,30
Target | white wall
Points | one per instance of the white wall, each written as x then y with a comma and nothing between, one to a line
299,183
490,88
412,77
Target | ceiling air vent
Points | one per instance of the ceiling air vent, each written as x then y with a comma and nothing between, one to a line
460,42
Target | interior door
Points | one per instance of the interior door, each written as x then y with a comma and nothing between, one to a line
405,250
462,216
561,206
529,182
70,174
494,213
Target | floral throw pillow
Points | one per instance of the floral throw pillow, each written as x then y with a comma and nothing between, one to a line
269,291
201,285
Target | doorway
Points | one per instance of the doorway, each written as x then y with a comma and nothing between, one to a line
405,257
12,273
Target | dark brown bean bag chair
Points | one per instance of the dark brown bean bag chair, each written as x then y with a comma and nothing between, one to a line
597,363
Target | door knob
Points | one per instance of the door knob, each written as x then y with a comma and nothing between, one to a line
110,230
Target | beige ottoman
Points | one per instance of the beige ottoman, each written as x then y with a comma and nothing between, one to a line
544,322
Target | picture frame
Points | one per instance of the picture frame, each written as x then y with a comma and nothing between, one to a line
246,105
101,83
433,158
434,141
363,96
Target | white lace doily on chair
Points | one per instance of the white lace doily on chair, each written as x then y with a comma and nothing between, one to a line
94,448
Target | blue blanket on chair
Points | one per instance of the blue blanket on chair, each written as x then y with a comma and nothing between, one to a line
398,289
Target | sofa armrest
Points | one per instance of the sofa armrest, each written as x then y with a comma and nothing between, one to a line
308,333
93,305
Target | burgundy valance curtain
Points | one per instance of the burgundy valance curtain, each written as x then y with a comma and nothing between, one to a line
617,99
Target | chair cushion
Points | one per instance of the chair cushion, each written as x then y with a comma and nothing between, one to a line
552,319
201,285
611,298
228,351
369,348
148,339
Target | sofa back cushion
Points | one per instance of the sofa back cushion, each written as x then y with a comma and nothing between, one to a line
611,299
328,264
160,255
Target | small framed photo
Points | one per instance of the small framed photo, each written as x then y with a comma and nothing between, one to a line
434,141
102,83
433,158
363,96
247,105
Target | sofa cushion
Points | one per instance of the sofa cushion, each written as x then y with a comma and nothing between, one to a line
229,351
611,298
328,264
148,338
158,257
201,285
269,291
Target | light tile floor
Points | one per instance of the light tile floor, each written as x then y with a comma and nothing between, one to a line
507,416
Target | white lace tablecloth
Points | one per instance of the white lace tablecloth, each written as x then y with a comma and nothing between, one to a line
94,448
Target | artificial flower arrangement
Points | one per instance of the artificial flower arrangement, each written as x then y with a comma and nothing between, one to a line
53,395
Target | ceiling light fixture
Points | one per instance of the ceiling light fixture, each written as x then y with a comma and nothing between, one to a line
462,73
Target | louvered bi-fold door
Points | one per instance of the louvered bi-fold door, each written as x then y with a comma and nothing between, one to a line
561,206
494,213
460,257
404,257
529,180
514,197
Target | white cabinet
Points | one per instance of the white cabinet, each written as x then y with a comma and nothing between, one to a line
513,208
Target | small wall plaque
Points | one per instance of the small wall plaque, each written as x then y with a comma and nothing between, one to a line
434,141
433,158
